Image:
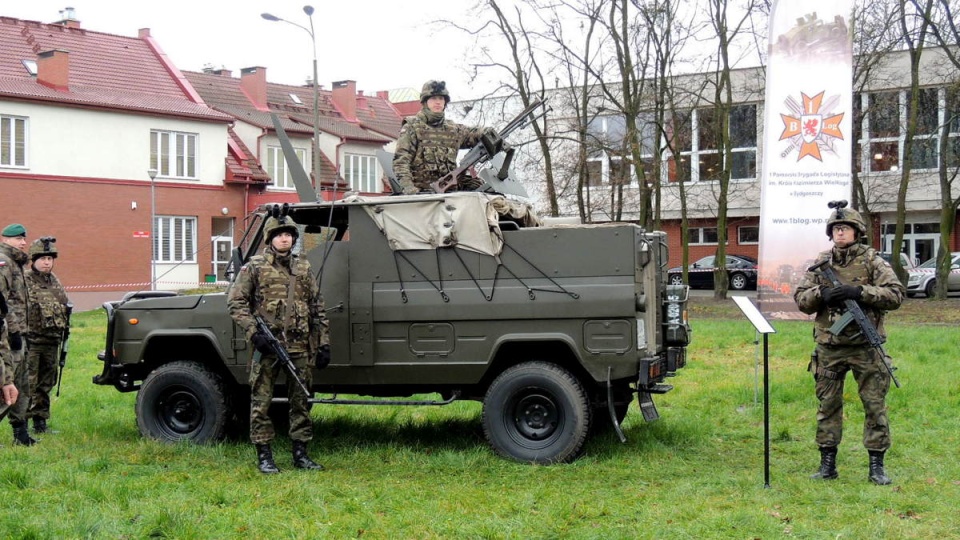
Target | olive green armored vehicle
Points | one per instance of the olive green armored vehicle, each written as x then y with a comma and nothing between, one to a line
432,299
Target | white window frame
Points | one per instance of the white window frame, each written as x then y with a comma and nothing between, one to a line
175,239
13,149
174,154
277,167
607,159
693,155
361,171
740,240
700,235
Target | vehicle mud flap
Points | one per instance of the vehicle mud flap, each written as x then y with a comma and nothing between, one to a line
647,407
612,409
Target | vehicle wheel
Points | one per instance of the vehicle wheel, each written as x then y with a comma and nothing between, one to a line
738,282
676,279
536,412
182,401
931,288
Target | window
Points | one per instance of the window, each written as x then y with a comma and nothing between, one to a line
610,161
13,141
882,133
361,173
173,154
702,235
699,158
277,166
748,235
174,239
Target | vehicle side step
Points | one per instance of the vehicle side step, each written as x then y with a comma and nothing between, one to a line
337,401
658,389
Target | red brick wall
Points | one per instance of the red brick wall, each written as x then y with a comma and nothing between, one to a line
94,223
672,229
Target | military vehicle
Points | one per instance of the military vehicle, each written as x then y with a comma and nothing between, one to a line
431,299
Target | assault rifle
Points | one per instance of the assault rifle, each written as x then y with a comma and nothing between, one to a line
489,146
283,357
855,313
64,347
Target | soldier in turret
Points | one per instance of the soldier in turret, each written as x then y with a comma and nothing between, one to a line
429,143
870,281
13,241
47,327
278,286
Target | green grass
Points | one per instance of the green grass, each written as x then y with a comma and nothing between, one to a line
426,472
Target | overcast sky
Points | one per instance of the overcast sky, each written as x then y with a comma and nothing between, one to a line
381,44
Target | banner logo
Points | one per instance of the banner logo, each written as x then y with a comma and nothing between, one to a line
811,128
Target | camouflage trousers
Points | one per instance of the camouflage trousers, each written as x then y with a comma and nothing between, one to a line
21,379
264,372
42,362
873,382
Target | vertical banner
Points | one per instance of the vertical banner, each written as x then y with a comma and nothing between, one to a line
806,142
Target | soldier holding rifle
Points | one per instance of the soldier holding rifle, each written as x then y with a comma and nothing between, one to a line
48,328
428,145
278,287
862,278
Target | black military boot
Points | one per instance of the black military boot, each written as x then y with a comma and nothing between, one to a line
300,458
265,460
828,464
877,474
39,425
21,436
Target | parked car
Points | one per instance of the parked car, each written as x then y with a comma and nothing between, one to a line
741,273
923,279
905,261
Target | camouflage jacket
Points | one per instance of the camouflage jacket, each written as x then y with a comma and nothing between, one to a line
262,286
6,359
13,287
427,149
47,316
854,265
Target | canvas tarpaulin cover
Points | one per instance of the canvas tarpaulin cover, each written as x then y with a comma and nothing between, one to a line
466,220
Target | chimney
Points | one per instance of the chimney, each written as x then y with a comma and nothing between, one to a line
68,18
53,69
253,81
345,99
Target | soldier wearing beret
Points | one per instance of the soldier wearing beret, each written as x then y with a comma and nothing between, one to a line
47,326
428,145
8,390
13,287
278,286
867,279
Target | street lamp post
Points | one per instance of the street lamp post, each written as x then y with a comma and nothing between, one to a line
316,89
153,227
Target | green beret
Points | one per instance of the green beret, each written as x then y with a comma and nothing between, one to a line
14,229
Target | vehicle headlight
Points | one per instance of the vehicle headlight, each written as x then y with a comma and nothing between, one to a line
913,279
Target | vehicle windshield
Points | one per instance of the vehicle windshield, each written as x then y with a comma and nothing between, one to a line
932,262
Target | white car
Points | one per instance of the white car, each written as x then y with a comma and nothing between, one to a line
923,279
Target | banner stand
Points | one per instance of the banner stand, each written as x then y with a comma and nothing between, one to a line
762,326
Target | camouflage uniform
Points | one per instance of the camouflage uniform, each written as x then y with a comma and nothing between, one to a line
14,290
428,145
46,324
877,290
6,359
295,318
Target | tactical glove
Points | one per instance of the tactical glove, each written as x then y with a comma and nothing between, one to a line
323,357
261,343
16,341
835,296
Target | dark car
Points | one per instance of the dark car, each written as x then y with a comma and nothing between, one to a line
741,270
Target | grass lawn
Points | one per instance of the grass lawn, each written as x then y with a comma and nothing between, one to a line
426,472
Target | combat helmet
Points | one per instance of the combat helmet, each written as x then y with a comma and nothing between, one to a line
43,247
277,224
434,88
841,214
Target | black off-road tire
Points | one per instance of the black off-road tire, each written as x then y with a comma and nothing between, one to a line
537,412
183,401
